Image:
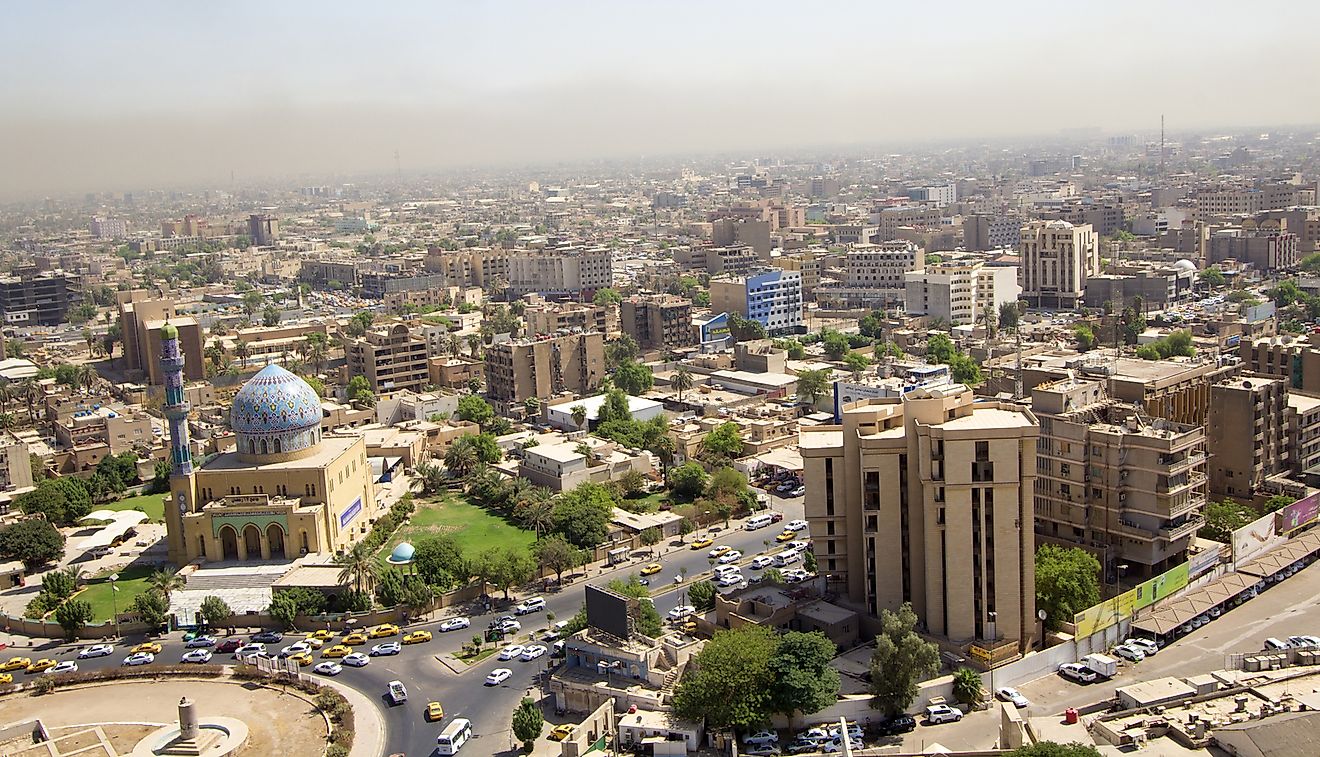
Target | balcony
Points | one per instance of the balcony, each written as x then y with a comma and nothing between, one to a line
1186,463
1177,532
1192,483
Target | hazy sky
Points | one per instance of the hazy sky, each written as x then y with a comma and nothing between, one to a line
112,96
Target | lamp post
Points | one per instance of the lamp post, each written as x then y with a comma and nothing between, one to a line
114,601
993,633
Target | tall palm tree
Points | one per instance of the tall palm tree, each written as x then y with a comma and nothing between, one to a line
317,348
360,568
85,377
474,344
242,350
460,458
512,492
663,448
7,394
33,393
536,510
682,381
579,415
430,478
484,484
165,583
455,345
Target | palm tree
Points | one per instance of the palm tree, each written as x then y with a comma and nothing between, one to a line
455,345
85,378
460,458
512,491
474,344
33,393
242,350
317,345
579,415
484,484
7,395
663,448
682,381
90,339
430,478
360,568
165,583
536,510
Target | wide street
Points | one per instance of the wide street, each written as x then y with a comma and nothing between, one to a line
463,694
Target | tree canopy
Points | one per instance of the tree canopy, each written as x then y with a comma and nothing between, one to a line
61,500
474,409
583,514
812,384
900,661
633,377
1223,518
32,541
688,480
1067,582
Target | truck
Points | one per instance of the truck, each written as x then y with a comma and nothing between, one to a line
1102,664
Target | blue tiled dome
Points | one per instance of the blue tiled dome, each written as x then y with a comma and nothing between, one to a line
402,554
275,412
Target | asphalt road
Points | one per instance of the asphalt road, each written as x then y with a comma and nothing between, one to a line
464,694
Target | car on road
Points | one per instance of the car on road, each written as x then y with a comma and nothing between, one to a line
786,536
509,626
511,651
561,732
434,711
1078,672
139,658
498,676
249,649
199,642
1010,694
44,663
417,637
338,650
529,606
795,575
942,713
680,612
198,655
1147,646
1130,652
16,663
731,556
719,551
302,658
68,666
760,737
322,634
294,649
454,624
313,643
533,651
762,750
357,660
786,557
353,639
896,725
148,646
731,579
269,637
800,545
652,569
383,630
229,645
798,492
388,648
761,562
1300,642
702,543
795,525
328,668
96,650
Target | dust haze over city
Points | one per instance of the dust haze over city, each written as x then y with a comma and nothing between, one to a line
659,379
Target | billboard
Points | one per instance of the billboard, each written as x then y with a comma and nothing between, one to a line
1254,538
1298,514
1105,614
607,611
1166,584
1201,562
1257,313
716,329
349,514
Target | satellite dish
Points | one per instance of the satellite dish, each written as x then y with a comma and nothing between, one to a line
1040,614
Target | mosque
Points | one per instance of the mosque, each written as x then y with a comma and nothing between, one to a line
286,491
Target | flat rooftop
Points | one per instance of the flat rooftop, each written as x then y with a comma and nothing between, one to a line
820,439
990,417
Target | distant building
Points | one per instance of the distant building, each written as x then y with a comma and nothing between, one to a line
29,297
991,232
1106,218
1057,259
552,317
575,272
263,229
1245,200
874,275
470,267
108,228
940,195
771,297
390,357
545,366
1157,285
140,321
657,321
1267,248
961,293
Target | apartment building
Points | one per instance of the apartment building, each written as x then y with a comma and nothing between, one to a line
1293,358
1156,284
391,358
140,320
551,317
874,275
942,194
327,273
771,297
806,263
1110,479
925,499
29,297
575,272
471,267
1106,218
991,232
726,232
737,261
545,366
1267,247
108,228
1057,258
1247,434
1303,432
263,229
658,321
960,292
890,220
1245,200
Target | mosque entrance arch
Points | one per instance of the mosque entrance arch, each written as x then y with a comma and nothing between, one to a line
275,539
228,543
252,541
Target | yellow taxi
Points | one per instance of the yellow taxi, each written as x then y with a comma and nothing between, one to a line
719,551
786,535
322,635
417,637
147,646
41,665
702,543
384,630
562,732
652,569
338,650
302,658
689,627
354,639
6,678
16,663
434,711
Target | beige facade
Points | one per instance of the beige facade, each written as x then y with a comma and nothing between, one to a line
390,357
545,366
927,499
560,271
1127,487
475,267
1303,431
1057,258
657,321
1246,428
552,317
140,319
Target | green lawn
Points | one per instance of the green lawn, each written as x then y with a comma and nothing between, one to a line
151,504
474,527
648,503
132,582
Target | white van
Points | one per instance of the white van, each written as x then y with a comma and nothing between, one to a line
528,606
786,557
760,520
398,694
454,736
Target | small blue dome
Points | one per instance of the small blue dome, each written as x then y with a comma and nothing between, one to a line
402,553
276,406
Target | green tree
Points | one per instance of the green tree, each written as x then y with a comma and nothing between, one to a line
1213,277
1223,518
151,607
745,329
812,384
474,409
553,552
1067,582
804,680
632,483
532,407
389,587
606,296
60,584
633,378
61,500
270,316
1085,337
724,442
615,408
515,568
702,595
461,457
650,536
283,609
358,567
215,611
857,363
900,661
688,481
940,348
835,344
32,541
486,448
681,381
165,582
429,479
729,683
621,350
1009,316
1278,502
1052,749
160,481
527,723
646,618
967,686
72,616
439,561
579,415
252,301
583,514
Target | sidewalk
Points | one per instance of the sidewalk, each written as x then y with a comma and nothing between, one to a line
368,725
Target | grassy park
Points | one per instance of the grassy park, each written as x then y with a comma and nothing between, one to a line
475,527
132,582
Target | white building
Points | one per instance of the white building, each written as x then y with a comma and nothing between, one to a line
960,292
771,297
874,274
560,271
560,415
1057,259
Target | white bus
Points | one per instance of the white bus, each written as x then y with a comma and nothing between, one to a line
455,735
760,520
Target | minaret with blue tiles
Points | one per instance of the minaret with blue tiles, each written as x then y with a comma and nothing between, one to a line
176,408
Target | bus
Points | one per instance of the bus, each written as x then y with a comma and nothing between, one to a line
454,736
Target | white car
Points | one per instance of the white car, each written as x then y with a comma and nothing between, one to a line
200,642
455,624
328,668
294,649
942,713
1010,694
509,626
796,525
197,655
682,611
532,651
357,660
732,555
68,666
761,737
511,651
249,649
762,750
388,648
1130,652
1147,646
498,676
96,650
795,575
787,557
140,658
761,562
797,546
732,579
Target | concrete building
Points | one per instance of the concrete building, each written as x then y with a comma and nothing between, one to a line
727,232
1247,434
940,195
806,263
1296,359
1124,486
1236,201
561,467
320,272
982,231
926,499
1106,218
719,260
390,357
574,272
471,267
29,297
1057,259
960,293
771,297
874,275
1266,248
263,229
140,321
108,228
552,317
1303,432
545,366
1157,285
657,321
15,464
560,414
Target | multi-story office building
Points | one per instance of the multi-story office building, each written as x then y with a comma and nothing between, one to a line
927,499
1112,480
961,293
263,229
1267,248
719,260
1106,218
943,194
892,219
1057,258
321,272
390,357
991,232
553,317
30,297
574,272
545,366
1245,200
727,232
771,297
1247,434
108,228
1303,432
140,321
806,263
1157,285
657,321
874,275
476,266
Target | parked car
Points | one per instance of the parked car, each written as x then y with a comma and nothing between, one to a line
1129,652
197,642
1077,672
762,750
798,492
896,725
680,612
528,606
761,562
1147,646
761,737
454,624
942,713
796,525
1010,694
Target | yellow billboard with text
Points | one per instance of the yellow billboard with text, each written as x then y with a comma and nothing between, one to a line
1105,614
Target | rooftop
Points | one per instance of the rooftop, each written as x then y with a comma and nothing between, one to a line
990,417
329,450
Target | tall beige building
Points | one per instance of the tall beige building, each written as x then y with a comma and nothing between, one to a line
390,357
1057,258
657,321
1247,431
573,271
1110,479
927,499
545,366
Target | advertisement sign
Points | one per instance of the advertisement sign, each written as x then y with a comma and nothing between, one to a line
1166,584
1257,313
1107,613
1202,562
716,328
348,515
1300,513
1254,538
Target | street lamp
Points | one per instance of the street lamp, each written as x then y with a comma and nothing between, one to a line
114,601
